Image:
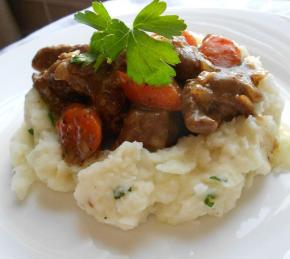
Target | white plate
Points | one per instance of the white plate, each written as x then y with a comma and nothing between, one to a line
49,225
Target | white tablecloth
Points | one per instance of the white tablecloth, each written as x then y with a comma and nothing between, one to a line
119,7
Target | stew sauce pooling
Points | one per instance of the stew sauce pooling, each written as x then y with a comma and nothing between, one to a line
101,109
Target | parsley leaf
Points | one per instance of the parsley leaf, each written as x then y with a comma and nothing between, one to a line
115,40
96,47
96,42
150,19
99,19
94,55
209,200
148,60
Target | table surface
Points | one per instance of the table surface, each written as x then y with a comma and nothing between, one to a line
121,7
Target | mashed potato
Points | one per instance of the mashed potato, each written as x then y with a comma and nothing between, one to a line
199,175
280,157
38,155
174,183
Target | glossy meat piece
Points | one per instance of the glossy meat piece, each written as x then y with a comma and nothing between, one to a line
214,97
100,88
79,78
155,128
56,94
45,57
195,119
103,88
189,66
192,62
110,102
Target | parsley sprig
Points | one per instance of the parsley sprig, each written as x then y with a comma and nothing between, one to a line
148,60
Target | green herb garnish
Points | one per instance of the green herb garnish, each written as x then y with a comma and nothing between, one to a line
31,131
51,118
84,59
148,60
216,178
119,192
209,200
99,19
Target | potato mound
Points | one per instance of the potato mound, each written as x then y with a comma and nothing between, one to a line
199,175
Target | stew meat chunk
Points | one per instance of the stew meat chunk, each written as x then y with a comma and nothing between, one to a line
45,57
56,94
155,128
214,97
192,61
190,65
64,83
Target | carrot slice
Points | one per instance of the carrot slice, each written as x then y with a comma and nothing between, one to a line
221,51
80,133
189,38
163,97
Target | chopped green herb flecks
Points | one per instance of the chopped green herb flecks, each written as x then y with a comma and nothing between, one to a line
51,118
210,200
83,59
120,191
148,60
220,179
31,131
